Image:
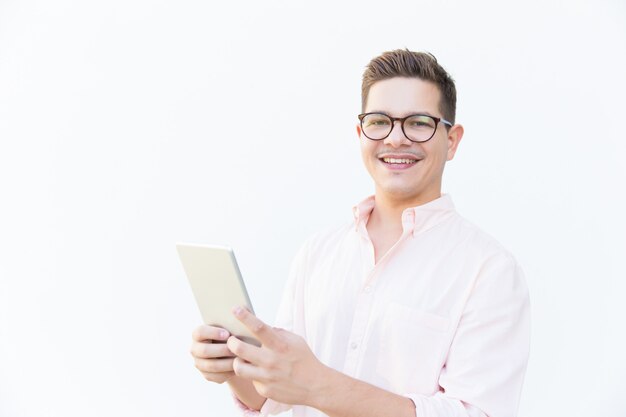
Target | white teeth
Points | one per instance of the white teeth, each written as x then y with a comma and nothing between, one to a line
399,161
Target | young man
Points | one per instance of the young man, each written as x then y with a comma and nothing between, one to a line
410,310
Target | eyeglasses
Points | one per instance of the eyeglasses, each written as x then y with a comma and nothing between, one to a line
416,127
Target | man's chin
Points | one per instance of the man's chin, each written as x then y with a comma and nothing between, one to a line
408,194
399,192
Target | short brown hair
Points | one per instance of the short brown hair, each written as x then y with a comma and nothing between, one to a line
405,63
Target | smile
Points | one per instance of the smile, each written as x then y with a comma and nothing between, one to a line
398,161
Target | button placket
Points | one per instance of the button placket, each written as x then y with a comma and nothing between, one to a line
362,307
359,328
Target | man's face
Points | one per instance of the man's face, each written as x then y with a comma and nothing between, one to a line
419,181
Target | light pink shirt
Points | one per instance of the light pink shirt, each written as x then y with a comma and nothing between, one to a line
443,318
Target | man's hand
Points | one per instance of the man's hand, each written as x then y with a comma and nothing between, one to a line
211,354
283,368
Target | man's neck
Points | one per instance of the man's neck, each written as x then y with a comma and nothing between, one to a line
384,226
386,216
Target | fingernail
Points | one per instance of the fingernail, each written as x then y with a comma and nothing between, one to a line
237,310
224,334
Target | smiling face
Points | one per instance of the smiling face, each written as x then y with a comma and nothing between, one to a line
405,171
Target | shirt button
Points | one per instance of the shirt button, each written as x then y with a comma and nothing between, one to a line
368,289
353,345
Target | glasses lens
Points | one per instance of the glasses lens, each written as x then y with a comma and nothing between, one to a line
419,128
376,126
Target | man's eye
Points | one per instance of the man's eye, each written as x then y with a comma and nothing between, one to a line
420,122
378,122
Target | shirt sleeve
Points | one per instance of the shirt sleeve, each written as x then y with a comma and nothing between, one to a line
486,363
290,316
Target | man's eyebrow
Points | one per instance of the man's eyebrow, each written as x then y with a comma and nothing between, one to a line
405,114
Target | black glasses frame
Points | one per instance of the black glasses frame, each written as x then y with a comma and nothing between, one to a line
402,120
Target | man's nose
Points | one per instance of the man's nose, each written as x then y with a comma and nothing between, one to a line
396,137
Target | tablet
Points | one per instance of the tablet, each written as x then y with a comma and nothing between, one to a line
217,286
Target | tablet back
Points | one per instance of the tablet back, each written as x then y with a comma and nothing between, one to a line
217,285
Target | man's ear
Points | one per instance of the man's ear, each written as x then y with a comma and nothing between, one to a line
455,134
358,131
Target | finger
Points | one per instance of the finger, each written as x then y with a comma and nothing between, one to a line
214,365
246,351
219,377
205,350
264,333
249,371
206,332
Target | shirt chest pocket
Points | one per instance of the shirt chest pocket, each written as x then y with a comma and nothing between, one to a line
412,348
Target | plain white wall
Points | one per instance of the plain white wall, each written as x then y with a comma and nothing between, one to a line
126,126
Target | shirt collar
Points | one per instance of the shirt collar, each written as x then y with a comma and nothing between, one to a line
414,219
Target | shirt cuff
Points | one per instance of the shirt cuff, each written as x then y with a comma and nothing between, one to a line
270,407
245,410
440,405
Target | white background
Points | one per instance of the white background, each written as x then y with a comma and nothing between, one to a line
128,125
